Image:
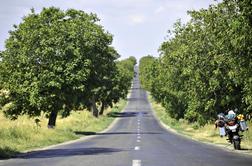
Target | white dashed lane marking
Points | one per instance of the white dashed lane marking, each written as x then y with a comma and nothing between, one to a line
136,163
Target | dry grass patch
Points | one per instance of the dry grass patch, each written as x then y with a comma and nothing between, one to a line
23,133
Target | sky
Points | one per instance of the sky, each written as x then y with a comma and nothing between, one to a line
138,26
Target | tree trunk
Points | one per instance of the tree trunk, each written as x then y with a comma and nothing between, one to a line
94,108
102,109
52,119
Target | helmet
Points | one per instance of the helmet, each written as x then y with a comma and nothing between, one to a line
231,112
220,116
231,115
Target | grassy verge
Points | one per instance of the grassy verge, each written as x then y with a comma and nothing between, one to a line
23,134
207,133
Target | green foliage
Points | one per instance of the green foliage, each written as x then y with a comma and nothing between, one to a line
145,70
117,83
56,61
204,68
125,75
133,60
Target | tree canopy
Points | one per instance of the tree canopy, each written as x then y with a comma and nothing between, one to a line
205,65
56,61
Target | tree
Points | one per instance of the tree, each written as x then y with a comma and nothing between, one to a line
52,59
145,70
204,68
102,81
119,83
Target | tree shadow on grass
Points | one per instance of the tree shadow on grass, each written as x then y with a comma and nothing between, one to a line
52,153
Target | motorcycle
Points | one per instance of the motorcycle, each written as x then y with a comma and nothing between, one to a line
230,126
233,135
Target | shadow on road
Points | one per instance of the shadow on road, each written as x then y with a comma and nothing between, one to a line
135,88
125,114
112,133
137,99
7,152
51,153
122,114
246,149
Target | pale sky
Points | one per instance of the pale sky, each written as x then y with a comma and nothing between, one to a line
139,26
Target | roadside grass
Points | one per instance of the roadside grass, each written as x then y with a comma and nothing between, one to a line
207,133
24,134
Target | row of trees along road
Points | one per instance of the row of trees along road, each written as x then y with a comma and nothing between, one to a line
205,66
57,61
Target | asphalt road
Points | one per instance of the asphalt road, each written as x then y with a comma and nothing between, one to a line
135,140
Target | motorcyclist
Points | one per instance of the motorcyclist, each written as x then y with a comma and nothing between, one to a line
223,120
230,120
220,122
230,125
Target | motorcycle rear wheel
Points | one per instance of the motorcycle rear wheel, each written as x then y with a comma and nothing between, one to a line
237,145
